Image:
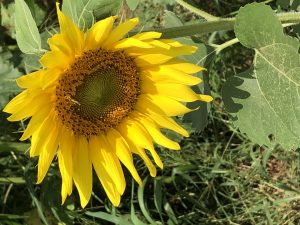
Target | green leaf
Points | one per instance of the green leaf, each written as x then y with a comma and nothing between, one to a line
37,12
84,13
8,74
265,100
141,201
258,26
158,195
8,19
31,63
132,4
171,214
12,180
133,215
109,217
171,20
164,2
198,118
13,146
27,34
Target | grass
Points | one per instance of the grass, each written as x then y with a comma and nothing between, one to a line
219,176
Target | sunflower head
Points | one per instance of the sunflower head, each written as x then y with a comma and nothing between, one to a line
101,97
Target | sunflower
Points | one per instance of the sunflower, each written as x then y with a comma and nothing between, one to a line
100,98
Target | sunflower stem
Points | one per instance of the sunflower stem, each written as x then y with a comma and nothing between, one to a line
218,25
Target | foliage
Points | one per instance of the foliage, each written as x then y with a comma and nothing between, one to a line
241,163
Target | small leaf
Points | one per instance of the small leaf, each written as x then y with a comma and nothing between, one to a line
8,74
27,34
132,4
171,20
8,19
84,13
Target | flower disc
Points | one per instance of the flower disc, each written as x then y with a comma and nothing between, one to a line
98,90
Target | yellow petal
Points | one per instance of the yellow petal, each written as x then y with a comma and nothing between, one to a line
39,138
155,132
172,52
17,101
39,79
58,43
162,73
174,43
109,187
31,80
72,34
145,104
104,175
82,170
169,106
36,121
147,35
141,152
183,66
130,42
49,148
158,43
179,92
205,98
145,60
63,192
65,158
139,137
98,33
50,78
169,123
101,153
55,59
29,107
120,31
152,169
120,146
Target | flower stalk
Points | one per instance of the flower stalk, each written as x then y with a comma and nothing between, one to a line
218,25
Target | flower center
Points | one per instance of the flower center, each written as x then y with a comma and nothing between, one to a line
97,91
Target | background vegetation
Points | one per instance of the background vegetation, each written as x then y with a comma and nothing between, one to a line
219,176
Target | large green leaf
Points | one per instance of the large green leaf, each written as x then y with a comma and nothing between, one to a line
265,100
198,118
27,34
243,98
85,12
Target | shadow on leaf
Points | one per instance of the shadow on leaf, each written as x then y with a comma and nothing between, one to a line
231,90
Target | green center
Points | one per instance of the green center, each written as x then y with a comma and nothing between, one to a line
98,94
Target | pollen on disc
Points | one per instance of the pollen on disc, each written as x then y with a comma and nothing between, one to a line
97,91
